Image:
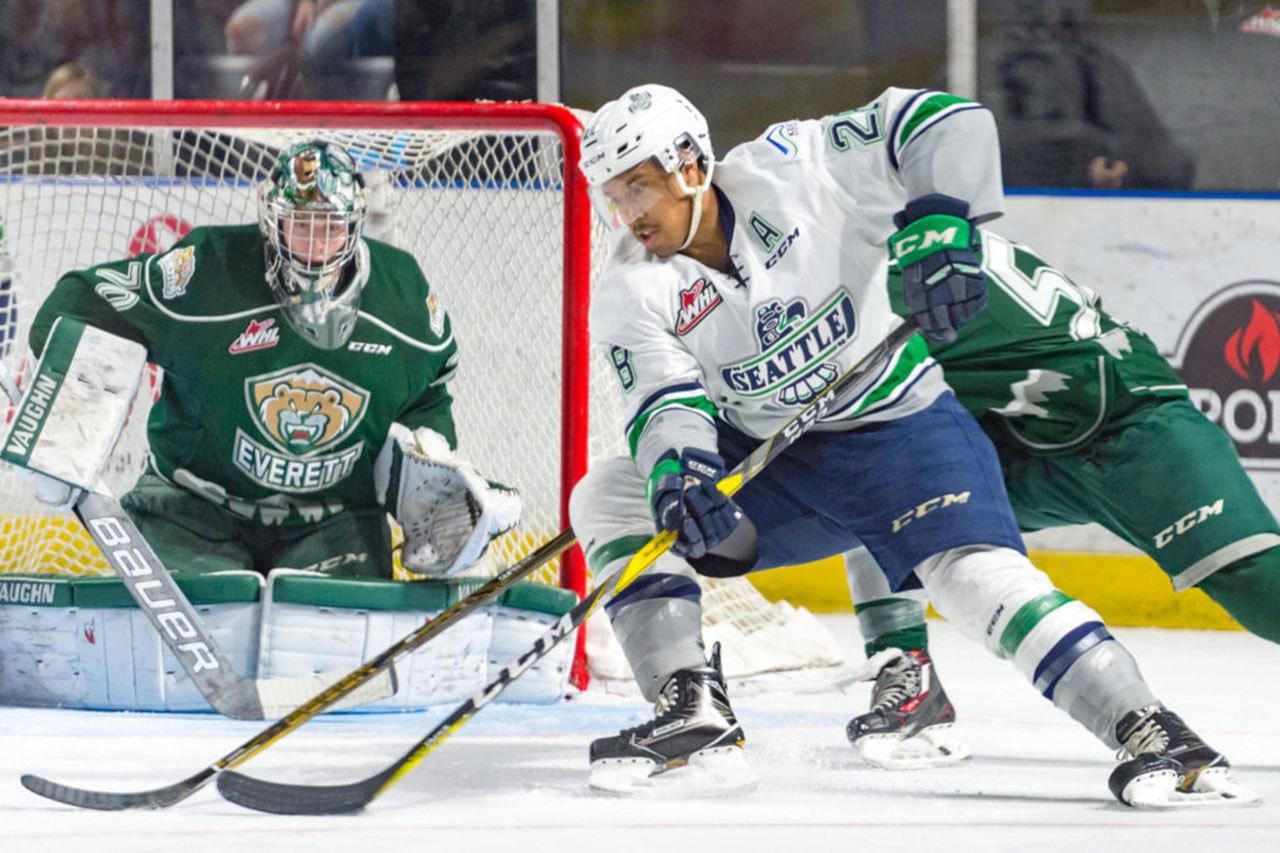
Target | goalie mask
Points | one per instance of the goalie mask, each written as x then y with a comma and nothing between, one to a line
312,212
649,122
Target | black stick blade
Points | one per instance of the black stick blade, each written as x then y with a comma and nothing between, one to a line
108,801
284,798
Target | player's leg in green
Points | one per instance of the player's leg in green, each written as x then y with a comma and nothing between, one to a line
189,534
1200,519
1169,482
1249,589
351,544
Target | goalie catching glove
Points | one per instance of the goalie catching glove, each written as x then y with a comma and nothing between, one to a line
449,513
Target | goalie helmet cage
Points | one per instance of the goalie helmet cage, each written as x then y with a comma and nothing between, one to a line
489,200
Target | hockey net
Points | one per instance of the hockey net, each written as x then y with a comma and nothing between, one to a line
487,198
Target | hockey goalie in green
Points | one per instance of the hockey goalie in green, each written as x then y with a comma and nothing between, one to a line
304,392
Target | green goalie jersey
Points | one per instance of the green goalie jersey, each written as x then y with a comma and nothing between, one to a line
250,415
1042,359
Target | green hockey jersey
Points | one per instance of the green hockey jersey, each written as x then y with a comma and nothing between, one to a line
1043,358
250,415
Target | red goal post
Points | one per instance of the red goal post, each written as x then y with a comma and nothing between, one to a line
487,196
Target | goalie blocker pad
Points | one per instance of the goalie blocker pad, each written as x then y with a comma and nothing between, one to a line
83,643
75,405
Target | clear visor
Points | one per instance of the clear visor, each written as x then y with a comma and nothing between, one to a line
622,200
316,242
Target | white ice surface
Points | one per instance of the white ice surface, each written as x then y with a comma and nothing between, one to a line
513,779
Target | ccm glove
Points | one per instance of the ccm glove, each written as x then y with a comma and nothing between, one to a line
940,253
684,497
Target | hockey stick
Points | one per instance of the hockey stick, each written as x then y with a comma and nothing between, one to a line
182,630
159,798
171,614
285,798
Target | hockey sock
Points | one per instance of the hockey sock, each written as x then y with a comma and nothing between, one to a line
1100,687
886,619
995,596
1249,590
658,622
913,636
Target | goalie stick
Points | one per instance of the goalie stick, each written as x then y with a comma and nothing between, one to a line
159,798
287,798
180,628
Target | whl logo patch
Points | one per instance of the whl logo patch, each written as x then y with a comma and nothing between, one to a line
696,302
302,410
261,334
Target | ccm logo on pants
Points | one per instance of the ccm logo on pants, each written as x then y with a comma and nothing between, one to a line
920,510
1188,521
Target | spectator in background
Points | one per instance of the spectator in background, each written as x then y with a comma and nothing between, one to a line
73,80
1070,112
372,30
37,150
109,36
321,29
463,50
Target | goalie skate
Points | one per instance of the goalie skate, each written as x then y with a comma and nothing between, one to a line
692,747
1170,767
910,722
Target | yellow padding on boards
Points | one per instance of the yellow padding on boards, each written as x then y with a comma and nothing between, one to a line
1127,590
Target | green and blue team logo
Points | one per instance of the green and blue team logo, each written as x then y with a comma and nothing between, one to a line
795,347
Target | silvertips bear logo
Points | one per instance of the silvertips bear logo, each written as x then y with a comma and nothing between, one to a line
695,302
1229,355
302,411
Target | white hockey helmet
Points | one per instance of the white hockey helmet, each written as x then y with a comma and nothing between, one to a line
649,122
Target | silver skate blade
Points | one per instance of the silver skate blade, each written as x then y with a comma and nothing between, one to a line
1215,788
935,746
719,772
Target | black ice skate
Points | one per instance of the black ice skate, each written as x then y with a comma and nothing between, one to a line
909,724
1169,766
692,746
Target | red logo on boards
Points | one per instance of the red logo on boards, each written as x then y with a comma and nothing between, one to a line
89,634
1229,356
696,302
261,334
158,233
1254,349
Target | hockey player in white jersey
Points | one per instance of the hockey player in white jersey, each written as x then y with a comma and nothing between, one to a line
735,292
